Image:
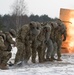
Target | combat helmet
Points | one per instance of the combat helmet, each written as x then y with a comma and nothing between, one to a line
12,32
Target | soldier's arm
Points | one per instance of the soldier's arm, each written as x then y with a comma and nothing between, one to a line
64,30
64,35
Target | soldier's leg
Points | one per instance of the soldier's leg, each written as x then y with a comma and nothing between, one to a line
6,56
41,52
28,52
34,50
59,50
1,54
33,55
20,52
54,51
59,54
44,48
50,49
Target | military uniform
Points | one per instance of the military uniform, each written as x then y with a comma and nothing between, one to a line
43,39
51,46
60,32
13,35
4,54
26,39
9,41
41,45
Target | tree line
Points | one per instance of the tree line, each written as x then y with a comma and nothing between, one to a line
9,21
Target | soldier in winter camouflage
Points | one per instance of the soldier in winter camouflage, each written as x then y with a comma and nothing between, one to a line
26,41
51,44
13,34
4,53
59,33
40,46
41,43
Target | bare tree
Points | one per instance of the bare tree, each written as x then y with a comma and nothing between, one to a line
18,10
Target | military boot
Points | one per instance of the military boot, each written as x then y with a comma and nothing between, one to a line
4,67
50,59
53,58
59,59
10,64
41,61
46,59
33,60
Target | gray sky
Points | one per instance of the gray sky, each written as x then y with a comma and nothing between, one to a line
40,7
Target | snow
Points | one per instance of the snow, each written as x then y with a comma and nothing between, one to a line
13,51
65,67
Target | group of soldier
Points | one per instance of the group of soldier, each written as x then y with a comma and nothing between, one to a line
34,39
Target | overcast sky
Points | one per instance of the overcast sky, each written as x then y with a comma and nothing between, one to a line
39,7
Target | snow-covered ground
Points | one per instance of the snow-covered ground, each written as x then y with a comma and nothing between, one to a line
65,67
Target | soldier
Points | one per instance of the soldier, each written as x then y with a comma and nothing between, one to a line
40,47
7,42
42,40
26,41
4,54
35,43
51,44
60,32
14,48
32,42
58,29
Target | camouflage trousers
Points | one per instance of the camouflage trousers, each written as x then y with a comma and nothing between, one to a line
20,50
4,57
54,50
39,47
59,43
50,48
23,53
